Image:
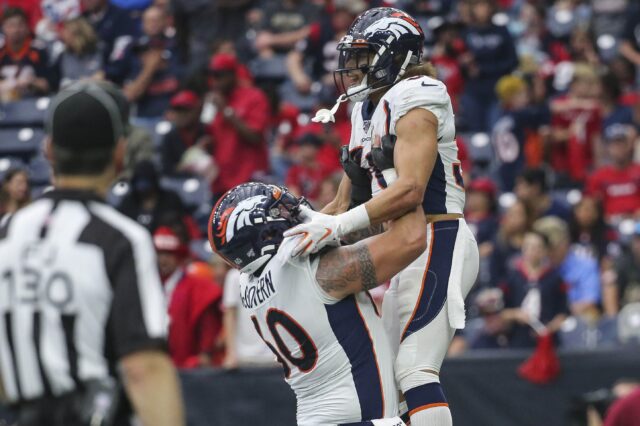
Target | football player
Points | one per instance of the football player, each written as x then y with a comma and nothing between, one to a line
315,313
403,152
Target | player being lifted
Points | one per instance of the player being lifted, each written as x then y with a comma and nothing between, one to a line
314,313
403,152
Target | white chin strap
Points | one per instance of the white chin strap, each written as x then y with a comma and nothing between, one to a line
326,115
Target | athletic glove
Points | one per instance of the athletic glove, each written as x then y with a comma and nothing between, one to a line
322,230
382,156
359,177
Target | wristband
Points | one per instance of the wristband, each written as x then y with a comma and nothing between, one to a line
353,220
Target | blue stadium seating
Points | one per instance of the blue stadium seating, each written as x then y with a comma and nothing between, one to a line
24,113
23,143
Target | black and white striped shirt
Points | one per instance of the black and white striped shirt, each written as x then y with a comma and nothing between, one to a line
79,289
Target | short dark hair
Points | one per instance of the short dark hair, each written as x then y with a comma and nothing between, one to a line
12,12
72,162
536,177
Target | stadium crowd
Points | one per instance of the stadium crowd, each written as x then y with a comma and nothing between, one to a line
547,102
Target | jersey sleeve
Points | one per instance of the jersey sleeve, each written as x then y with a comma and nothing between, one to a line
138,318
353,140
231,293
421,92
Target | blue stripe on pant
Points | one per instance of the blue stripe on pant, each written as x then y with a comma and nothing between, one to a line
433,293
353,335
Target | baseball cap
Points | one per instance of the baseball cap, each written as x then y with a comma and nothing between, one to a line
223,62
483,185
185,99
164,239
88,115
617,131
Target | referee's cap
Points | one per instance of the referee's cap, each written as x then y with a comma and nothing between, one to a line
88,115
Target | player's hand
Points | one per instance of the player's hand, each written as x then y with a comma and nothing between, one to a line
320,231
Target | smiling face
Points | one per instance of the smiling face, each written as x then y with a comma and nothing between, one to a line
353,66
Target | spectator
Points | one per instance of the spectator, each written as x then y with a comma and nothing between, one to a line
24,69
82,57
193,302
507,244
187,131
285,22
579,271
480,211
153,71
31,8
575,126
491,54
589,230
630,43
618,184
139,148
622,286
489,330
115,29
534,292
517,120
306,175
532,189
319,48
613,112
146,202
625,411
244,347
15,192
239,126
448,48
582,49
328,190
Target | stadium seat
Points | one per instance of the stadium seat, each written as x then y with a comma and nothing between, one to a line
193,192
8,163
24,113
23,143
201,249
629,324
117,193
271,69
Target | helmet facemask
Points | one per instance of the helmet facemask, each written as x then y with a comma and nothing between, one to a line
370,60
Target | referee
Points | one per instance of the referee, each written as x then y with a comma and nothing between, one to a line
80,296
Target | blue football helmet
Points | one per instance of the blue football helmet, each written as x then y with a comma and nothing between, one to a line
381,43
247,223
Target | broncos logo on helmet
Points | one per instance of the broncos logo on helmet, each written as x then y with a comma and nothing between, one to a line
235,218
247,223
381,43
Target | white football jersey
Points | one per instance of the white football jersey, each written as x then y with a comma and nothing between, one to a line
335,353
445,189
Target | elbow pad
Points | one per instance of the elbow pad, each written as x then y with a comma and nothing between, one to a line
359,177
382,156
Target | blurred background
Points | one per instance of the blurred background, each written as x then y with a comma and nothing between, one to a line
547,103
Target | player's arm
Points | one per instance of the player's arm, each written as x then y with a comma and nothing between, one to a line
368,263
340,203
414,157
414,154
152,385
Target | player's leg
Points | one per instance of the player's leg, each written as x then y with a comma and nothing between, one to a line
425,318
